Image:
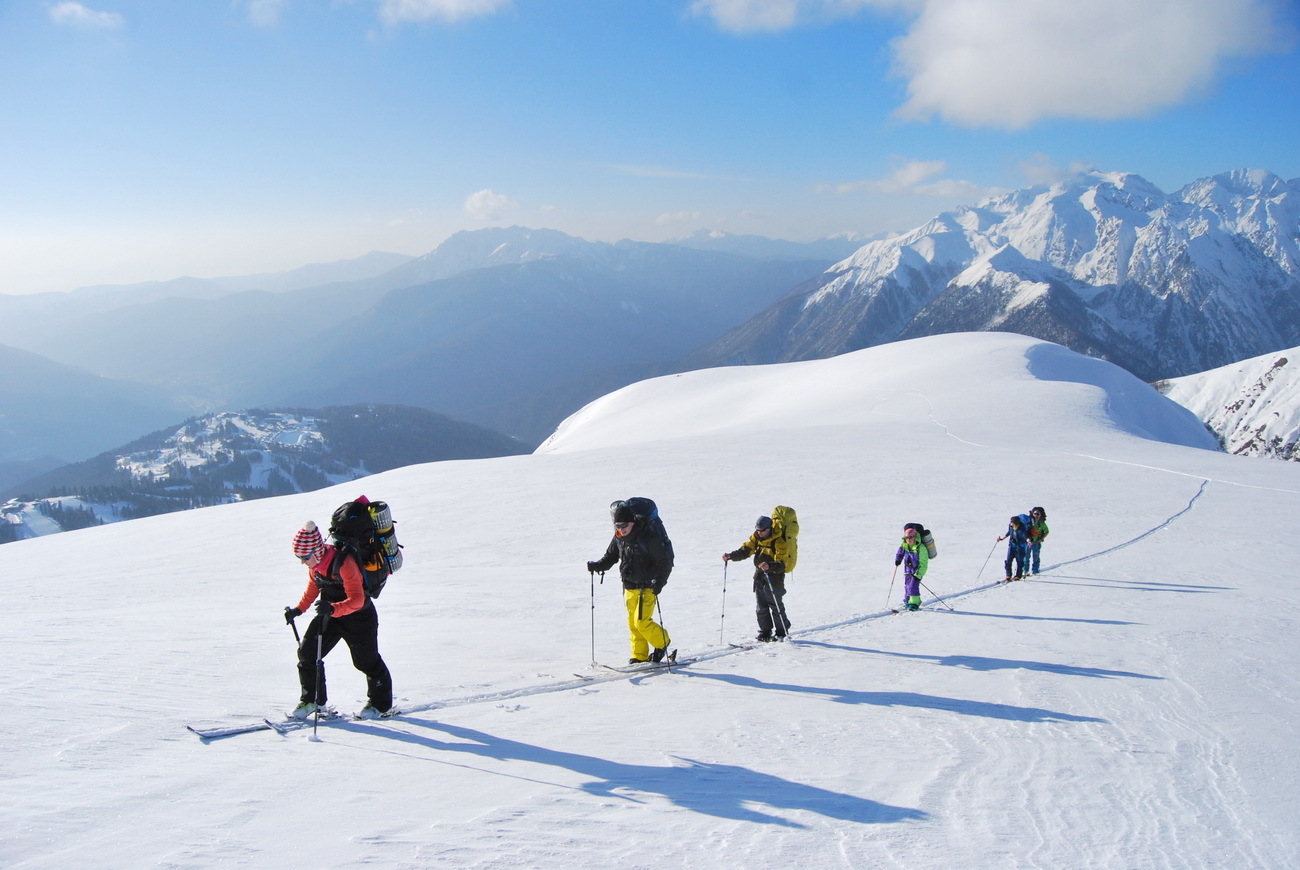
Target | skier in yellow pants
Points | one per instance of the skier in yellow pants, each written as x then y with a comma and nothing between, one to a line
645,558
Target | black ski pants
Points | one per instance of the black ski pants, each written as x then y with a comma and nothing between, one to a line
770,606
360,631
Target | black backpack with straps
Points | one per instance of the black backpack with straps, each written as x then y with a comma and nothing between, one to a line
365,530
647,510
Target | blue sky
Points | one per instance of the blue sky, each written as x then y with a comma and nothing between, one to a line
148,139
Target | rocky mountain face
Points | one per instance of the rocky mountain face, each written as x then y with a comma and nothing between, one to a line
1252,406
1107,265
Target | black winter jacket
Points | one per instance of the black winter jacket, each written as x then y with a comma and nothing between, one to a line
643,563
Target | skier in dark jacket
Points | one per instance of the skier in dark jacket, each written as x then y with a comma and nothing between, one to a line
643,565
344,612
769,579
1017,538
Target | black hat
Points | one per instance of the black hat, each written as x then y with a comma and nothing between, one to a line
763,524
621,513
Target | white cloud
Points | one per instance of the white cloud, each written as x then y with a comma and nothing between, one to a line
488,205
909,175
677,218
917,177
743,16
395,12
1040,170
1011,63
76,15
265,13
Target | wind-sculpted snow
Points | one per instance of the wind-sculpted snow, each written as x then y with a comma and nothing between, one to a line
1133,406
854,388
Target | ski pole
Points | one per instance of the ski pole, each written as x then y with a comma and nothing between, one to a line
722,625
891,585
662,625
593,617
778,609
289,619
986,559
320,671
937,598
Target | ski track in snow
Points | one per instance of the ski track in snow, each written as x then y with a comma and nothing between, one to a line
1148,533
943,427
1189,474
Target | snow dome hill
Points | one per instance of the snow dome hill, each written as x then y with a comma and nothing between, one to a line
1131,706
973,376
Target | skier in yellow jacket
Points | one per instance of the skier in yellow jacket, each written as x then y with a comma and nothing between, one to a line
769,555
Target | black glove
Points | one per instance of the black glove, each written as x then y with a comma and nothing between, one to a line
659,587
324,608
591,567
290,614
898,562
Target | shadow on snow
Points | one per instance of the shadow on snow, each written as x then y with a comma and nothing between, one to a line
907,699
723,790
983,663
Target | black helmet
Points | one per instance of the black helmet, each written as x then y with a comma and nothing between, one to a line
619,512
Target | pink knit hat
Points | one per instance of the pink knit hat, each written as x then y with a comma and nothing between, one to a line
307,543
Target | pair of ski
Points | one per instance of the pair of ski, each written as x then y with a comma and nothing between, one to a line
283,727
669,662
761,643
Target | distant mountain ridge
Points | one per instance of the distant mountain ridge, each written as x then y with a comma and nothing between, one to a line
52,413
508,327
236,456
1106,264
517,347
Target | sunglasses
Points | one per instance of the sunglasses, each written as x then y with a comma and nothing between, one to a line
621,526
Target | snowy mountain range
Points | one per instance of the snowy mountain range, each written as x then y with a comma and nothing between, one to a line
237,456
1107,264
514,328
1131,707
1253,406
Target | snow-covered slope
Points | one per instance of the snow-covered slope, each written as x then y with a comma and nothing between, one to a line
1252,406
1130,707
